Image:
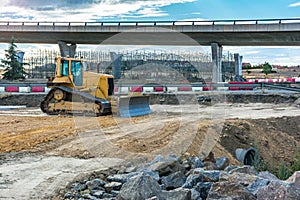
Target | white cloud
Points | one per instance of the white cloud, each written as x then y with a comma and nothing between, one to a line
82,10
280,55
295,4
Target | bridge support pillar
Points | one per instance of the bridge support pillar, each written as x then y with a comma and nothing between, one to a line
238,64
116,64
216,52
67,50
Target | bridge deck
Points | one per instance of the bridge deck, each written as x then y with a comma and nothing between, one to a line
268,32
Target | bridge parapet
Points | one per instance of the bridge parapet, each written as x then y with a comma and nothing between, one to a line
292,24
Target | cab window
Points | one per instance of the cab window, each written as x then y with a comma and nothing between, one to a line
64,69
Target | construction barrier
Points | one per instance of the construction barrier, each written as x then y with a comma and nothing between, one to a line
184,89
11,89
240,87
159,89
148,89
37,89
197,89
172,89
209,86
136,89
25,89
123,90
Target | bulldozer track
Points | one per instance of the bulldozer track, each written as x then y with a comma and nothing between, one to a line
102,107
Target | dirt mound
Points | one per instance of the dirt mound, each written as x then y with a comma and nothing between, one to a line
277,139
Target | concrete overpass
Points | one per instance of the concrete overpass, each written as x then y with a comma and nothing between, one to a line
266,32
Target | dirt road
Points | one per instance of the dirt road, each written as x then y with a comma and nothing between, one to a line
59,148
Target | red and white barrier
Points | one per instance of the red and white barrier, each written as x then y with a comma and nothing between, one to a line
37,89
148,89
27,88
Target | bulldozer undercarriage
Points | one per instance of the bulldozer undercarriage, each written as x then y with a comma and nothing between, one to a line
63,100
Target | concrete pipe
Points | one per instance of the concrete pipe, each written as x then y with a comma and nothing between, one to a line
246,156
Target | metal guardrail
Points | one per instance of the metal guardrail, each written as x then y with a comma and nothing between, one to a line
280,87
152,23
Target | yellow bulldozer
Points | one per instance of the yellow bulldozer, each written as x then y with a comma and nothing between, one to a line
75,90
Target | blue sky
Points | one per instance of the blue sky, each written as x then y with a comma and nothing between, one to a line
155,10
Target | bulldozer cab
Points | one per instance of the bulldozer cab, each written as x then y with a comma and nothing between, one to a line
71,69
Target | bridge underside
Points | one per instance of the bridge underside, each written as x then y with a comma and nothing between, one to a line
158,38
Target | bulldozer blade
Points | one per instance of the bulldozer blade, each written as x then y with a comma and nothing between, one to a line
133,106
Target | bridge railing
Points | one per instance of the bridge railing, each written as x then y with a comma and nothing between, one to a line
152,23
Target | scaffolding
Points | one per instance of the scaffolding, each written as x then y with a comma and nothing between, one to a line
138,64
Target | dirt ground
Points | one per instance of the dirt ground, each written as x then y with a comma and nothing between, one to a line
40,155
183,130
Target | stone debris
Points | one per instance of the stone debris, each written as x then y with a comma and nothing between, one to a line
171,178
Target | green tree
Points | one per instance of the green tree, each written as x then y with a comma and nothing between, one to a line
267,68
14,69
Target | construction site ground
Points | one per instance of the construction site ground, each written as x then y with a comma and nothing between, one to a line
40,154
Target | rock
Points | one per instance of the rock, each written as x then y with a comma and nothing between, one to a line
141,186
229,168
196,162
79,187
209,165
224,176
203,188
107,196
241,178
87,191
151,173
208,175
195,195
174,180
186,164
287,190
294,179
88,196
294,185
113,186
173,157
158,158
297,102
257,184
69,195
122,178
267,175
164,168
95,184
98,193
177,194
192,180
222,163
227,190
274,190
244,169
130,169
115,193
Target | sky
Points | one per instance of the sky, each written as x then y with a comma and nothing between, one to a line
156,10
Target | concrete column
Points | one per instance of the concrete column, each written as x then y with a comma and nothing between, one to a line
67,50
216,52
116,64
238,64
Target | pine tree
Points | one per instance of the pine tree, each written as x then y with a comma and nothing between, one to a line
267,68
14,69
